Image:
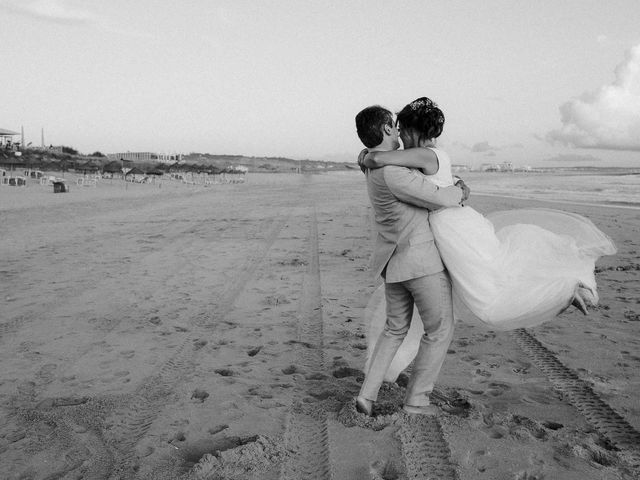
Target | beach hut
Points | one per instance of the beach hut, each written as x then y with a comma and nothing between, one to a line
113,167
18,181
60,187
130,175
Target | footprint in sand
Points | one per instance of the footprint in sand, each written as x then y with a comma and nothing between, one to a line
525,428
482,373
492,426
497,388
200,395
145,451
384,470
552,425
252,352
217,429
343,372
198,344
521,368
259,391
178,437
128,353
473,360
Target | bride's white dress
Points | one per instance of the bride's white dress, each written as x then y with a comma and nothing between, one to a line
510,269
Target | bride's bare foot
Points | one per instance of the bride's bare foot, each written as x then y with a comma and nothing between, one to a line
578,301
364,406
588,295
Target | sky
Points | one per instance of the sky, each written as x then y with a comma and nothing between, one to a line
535,83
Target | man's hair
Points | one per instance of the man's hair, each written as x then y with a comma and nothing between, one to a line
369,123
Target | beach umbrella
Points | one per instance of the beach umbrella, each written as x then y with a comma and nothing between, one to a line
134,171
176,167
47,166
88,166
198,168
12,162
160,167
67,164
112,167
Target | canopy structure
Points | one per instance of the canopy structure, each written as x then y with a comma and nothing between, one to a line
7,133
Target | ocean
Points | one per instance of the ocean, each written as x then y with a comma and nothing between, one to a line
620,188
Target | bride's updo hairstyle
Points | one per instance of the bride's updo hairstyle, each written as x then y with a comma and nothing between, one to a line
424,116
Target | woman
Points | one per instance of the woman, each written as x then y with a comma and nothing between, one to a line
510,269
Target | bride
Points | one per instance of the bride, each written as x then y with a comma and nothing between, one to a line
510,269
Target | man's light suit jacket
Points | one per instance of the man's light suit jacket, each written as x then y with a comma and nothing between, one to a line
404,243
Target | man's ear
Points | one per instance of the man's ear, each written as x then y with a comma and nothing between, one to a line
387,129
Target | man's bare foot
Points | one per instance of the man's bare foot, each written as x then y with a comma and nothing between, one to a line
422,410
364,406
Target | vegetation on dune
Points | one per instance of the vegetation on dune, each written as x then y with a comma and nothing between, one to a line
70,159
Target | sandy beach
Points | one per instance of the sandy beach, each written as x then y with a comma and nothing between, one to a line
191,332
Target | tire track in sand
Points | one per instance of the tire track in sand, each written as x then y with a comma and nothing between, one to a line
579,394
425,450
137,416
306,435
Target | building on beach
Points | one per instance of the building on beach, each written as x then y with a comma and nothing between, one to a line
6,139
497,167
146,157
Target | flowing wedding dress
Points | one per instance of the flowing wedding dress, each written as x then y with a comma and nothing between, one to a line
510,269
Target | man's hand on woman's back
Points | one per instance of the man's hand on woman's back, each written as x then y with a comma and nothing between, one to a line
466,191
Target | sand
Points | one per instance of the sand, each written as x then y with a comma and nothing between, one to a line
216,332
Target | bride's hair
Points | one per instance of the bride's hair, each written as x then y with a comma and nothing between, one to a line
369,123
424,116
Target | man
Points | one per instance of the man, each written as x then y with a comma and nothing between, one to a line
406,256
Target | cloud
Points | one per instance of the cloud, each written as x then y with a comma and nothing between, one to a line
608,118
56,11
482,147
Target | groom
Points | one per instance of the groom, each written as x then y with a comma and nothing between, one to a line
406,257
